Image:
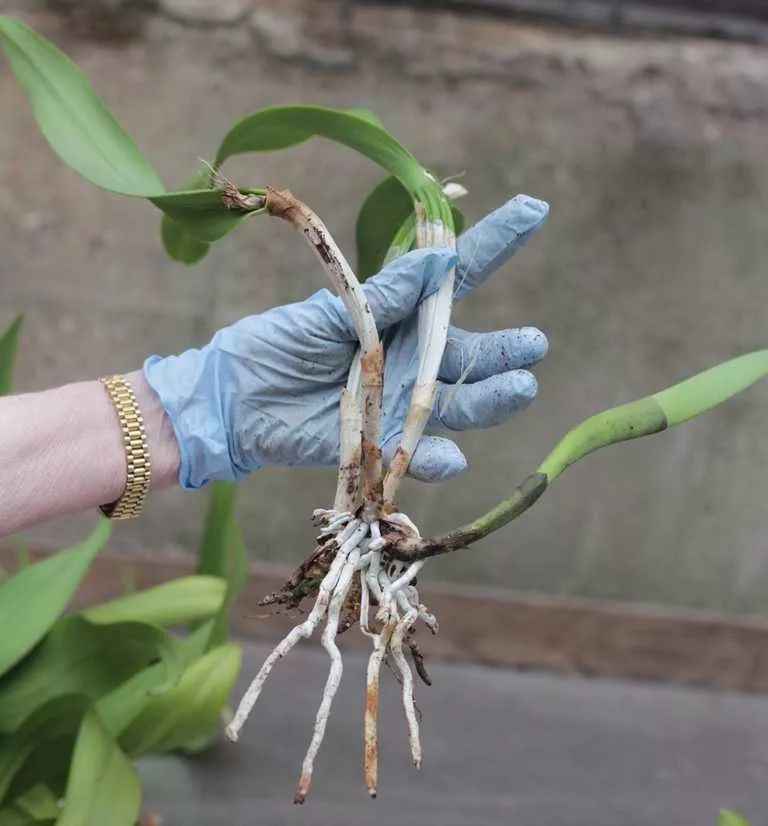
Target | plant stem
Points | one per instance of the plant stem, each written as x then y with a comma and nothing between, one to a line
283,204
348,482
524,496
434,320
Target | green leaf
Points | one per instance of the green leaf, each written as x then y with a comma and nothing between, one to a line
222,553
189,715
31,600
201,213
123,704
8,346
386,227
178,242
731,818
83,658
15,816
382,214
76,124
102,787
367,114
279,127
39,803
180,245
459,221
182,600
89,139
49,723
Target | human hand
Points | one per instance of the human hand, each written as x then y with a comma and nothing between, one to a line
266,390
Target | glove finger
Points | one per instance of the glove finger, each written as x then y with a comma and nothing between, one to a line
394,293
471,357
434,460
492,241
485,403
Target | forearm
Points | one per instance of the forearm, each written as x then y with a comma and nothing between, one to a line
61,451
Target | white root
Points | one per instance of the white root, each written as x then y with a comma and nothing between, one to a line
370,726
365,604
348,540
334,674
403,666
395,586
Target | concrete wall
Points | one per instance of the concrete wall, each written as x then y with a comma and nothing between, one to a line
653,264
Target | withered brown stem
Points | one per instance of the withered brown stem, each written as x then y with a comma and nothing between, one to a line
283,204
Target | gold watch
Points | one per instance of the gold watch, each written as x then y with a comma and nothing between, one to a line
139,469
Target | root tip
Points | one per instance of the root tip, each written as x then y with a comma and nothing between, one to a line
232,733
302,789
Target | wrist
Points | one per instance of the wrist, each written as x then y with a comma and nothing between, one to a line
161,440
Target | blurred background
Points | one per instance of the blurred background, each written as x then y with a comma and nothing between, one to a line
642,124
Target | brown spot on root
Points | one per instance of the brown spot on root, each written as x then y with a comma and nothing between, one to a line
282,203
350,611
372,455
372,365
418,661
371,754
302,790
400,462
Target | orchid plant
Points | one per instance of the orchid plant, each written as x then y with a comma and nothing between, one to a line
368,552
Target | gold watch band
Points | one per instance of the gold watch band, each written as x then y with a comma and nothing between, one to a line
139,470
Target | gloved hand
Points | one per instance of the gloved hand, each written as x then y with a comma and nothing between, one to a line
265,391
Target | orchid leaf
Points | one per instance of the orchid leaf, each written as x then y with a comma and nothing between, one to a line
51,721
180,601
88,138
189,715
31,600
102,786
73,119
731,818
121,706
222,553
87,659
386,227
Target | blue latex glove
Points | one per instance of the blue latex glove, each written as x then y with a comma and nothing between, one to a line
265,391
